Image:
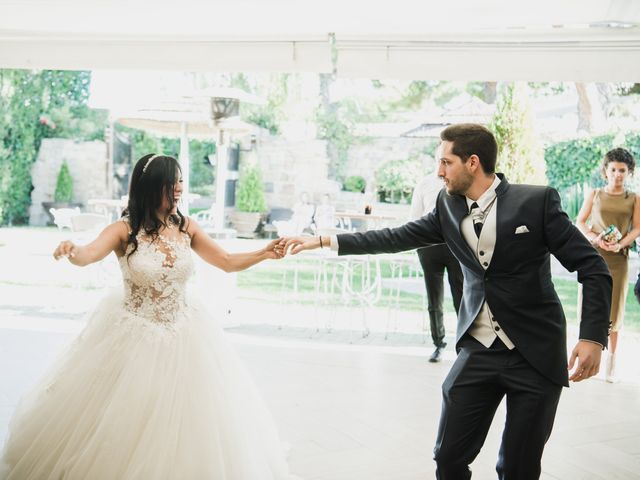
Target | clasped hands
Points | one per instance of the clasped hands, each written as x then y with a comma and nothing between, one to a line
293,245
609,246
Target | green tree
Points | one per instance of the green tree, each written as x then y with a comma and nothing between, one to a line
36,105
274,91
520,156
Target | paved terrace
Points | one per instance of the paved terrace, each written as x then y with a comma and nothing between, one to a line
351,408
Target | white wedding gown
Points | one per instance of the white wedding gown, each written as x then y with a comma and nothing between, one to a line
149,390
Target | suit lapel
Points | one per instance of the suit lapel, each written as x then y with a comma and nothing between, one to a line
501,232
459,211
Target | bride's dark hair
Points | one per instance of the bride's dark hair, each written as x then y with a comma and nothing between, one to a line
154,178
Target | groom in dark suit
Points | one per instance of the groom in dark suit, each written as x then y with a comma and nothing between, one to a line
511,334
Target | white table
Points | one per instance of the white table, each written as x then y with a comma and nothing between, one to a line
372,220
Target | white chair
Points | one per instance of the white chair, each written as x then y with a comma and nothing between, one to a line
399,265
357,278
205,217
62,216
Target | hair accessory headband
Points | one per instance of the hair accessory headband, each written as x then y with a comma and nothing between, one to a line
153,157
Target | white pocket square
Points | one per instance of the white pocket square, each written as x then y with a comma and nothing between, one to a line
522,229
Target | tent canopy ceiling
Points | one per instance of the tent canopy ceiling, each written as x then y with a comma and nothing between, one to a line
597,40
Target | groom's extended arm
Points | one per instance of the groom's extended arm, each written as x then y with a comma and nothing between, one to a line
419,233
574,252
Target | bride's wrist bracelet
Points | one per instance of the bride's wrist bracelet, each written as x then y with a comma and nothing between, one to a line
320,238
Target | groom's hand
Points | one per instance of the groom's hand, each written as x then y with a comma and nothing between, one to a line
295,245
588,356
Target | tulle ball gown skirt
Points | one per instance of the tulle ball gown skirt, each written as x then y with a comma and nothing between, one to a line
138,399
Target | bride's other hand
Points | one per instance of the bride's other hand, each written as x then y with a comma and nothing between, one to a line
65,249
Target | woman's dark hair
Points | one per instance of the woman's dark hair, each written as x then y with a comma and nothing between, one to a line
618,155
151,181
473,139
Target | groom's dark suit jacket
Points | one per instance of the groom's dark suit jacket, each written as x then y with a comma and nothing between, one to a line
517,284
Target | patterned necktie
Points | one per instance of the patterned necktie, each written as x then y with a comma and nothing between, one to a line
477,217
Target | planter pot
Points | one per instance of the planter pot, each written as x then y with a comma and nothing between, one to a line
246,223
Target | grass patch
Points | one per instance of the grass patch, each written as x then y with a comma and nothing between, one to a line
277,285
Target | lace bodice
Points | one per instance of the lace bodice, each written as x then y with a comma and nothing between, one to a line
155,277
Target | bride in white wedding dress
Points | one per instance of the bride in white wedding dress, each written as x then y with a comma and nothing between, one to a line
150,389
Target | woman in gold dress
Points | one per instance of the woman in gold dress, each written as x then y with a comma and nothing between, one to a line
613,205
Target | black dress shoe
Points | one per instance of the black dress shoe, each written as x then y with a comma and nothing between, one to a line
436,356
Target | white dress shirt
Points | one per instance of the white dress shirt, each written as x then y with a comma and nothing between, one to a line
484,328
425,195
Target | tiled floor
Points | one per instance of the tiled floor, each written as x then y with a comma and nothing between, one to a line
369,412
351,408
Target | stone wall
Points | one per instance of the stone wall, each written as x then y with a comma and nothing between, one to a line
366,158
88,164
291,167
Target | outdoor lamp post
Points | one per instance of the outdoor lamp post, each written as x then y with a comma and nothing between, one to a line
222,108
224,116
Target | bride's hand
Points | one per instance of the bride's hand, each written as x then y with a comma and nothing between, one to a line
274,249
65,249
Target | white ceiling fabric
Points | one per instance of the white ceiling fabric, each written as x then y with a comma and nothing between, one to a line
589,40
211,54
532,56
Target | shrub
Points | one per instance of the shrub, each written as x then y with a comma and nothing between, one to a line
355,183
250,191
396,180
64,185
573,166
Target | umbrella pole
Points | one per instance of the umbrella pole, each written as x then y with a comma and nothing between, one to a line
184,165
221,180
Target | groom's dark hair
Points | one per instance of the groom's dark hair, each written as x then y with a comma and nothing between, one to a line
473,139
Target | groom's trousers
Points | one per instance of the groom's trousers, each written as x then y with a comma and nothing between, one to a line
479,379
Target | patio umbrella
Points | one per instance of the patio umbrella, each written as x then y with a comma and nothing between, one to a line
185,117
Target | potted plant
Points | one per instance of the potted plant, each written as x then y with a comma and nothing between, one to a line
250,202
63,194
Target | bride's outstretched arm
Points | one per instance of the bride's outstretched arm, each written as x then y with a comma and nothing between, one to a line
112,238
212,253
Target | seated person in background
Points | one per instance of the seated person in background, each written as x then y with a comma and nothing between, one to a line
300,220
325,216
